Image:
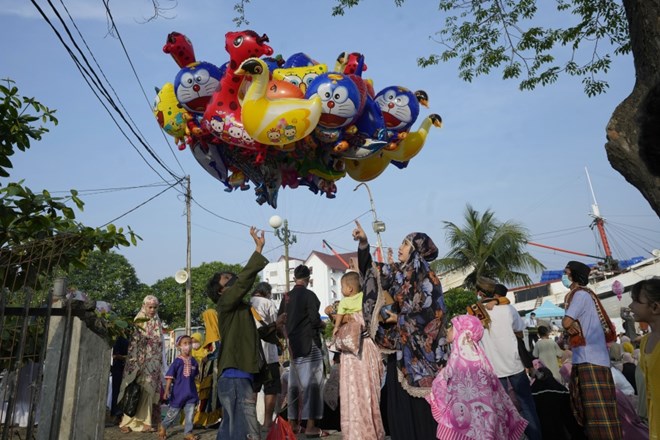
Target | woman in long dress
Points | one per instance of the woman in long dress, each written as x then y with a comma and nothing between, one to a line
413,333
145,362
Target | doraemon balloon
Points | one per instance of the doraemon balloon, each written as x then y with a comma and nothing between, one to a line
341,105
194,85
399,107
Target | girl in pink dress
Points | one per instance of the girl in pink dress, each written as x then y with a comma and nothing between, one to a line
467,399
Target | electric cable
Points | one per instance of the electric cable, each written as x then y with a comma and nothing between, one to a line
142,204
103,91
106,3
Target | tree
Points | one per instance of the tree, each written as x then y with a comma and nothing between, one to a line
39,233
172,295
493,249
503,35
457,300
108,276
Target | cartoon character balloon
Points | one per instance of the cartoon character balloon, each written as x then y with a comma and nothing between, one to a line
275,121
617,288
304,127
225,107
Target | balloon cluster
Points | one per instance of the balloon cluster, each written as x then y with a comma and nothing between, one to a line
278,123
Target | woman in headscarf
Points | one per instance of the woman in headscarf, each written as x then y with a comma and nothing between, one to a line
413,333
468,401
145,364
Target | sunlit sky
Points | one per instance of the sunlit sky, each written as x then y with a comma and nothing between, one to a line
521,154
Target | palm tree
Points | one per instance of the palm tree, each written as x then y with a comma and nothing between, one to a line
489,248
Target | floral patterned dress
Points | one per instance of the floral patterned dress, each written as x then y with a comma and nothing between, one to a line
468,400
144,362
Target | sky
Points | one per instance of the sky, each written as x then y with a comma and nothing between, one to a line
520,154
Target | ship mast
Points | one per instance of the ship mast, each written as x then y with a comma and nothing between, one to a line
599,222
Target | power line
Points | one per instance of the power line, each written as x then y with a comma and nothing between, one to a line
106,3
114,189
143,203
97,84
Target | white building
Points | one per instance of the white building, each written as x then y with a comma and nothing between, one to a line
326,272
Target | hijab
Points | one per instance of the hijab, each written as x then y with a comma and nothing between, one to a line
423,245
467,399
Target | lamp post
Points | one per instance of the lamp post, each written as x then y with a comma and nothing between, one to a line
377,225
287,238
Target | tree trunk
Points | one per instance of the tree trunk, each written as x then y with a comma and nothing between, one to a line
633,132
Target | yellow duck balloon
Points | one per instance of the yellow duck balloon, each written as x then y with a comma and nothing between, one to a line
368,169
277,122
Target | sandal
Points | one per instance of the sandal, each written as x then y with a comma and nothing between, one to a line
192,436
149,428
125,429
162,433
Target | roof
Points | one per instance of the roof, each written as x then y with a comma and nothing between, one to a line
332,261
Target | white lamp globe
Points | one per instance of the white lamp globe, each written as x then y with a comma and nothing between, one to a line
275,221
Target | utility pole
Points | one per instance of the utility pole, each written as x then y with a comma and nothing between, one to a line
188,280
287,238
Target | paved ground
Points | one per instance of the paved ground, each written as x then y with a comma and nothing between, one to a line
113,433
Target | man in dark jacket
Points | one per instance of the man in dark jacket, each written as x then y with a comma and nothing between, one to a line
303,327
240,350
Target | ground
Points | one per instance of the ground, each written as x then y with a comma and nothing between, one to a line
112,432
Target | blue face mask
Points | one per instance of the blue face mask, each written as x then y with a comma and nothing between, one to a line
565,281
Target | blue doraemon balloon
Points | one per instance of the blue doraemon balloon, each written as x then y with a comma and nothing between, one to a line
341,100
399,107
194,85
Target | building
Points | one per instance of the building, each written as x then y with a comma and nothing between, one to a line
326,272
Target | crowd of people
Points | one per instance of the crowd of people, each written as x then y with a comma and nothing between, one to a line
401,367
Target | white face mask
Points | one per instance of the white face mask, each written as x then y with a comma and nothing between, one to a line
195,345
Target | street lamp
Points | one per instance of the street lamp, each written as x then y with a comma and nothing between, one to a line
287,238
377,225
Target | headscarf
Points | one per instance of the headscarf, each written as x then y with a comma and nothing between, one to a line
579,272
145,351
201,352
423,245
467,399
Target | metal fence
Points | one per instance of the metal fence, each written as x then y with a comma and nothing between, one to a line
27,292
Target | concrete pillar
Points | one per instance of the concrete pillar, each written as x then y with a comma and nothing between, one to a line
86,387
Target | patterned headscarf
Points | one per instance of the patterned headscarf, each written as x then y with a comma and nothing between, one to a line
467,326
468,382
423,245
145,351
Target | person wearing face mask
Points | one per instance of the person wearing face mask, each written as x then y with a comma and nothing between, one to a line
181,391
199,353
593,395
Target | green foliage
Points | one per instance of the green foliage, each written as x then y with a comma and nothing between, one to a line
503,35
108,276
39,232
172,296
17,124
457,300
491,248
342,5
